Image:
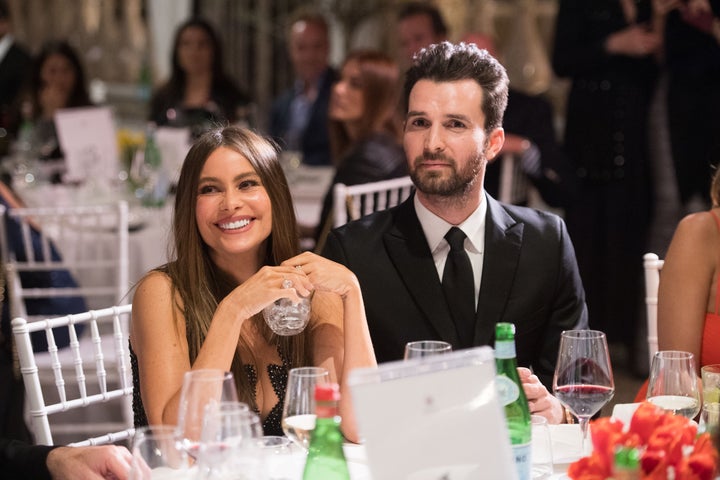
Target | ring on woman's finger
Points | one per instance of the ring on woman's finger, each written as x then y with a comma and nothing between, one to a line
298,268
287,283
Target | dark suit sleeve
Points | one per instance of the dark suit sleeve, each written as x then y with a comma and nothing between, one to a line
568,309
333,250
21,461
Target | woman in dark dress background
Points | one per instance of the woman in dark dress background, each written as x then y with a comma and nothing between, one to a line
199,93
364,126
608,48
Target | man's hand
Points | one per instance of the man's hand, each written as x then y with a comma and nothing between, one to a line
89,463
541,402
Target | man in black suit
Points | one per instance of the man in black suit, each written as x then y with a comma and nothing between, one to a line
523,263
14,68
39,462
299,116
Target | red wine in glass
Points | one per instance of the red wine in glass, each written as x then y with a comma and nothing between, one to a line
584,400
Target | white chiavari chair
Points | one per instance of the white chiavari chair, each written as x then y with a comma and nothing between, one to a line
79,381
653,265
355,201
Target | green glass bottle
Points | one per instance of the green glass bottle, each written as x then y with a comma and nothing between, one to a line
512,397
154,181
326,459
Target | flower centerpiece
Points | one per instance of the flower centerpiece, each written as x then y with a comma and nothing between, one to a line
668,445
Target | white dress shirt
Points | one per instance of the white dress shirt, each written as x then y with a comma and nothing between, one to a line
435,229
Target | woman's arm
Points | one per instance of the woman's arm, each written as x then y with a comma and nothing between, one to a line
685,284
158,334
341,339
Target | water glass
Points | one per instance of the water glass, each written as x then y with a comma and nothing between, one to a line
229,447
276,456
287,318
542,457
298,418
201,388
426,348
157,454
711,397
673,383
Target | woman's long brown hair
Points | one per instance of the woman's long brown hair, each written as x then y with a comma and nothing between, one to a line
380,84
196,280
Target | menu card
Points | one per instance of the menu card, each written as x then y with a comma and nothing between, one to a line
88,140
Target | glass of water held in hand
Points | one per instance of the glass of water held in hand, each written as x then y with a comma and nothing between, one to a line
673,383
583,380
298,418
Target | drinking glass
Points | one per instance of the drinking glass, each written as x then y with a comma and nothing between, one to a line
229,445
426,348
673,383
583,380
156,454
542,457
276,455
200,389
711,397
284,317
298,418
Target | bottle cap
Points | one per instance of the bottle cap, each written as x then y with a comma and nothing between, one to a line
327,392
504,331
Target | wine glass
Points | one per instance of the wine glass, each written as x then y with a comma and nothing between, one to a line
298,418
156,454
200,389
426,348
230,442
583,380
673,383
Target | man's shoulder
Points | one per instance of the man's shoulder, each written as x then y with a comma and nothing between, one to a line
532,218
361,230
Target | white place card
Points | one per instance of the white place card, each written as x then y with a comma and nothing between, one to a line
174,144
433,418
89,143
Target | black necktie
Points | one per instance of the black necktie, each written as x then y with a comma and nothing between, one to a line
459,287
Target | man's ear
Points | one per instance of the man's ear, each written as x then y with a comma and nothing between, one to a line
494,143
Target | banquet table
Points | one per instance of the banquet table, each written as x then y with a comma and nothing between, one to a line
565,445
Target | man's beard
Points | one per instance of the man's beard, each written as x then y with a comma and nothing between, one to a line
457,184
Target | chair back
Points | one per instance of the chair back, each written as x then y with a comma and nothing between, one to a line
653,265
514,184
355,201
81,373
89,244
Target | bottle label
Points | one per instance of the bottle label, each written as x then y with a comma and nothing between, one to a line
522,454
507,390
504,350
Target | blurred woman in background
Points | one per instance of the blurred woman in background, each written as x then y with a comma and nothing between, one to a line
199,93
57,81
364,126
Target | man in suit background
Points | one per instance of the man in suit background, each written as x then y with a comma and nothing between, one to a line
523,264
14,68
299,116
528,120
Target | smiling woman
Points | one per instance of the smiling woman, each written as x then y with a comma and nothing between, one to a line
236,248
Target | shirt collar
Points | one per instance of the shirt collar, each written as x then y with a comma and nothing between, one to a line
435,227
5,43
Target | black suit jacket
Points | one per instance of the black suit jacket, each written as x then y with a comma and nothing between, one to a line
315,139
20,461
530,278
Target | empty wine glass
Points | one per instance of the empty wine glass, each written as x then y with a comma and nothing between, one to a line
229,446
298,418
583,380
673,383
156,454
426,348
200,389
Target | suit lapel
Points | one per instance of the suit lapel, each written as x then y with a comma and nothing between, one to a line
411,256
503,239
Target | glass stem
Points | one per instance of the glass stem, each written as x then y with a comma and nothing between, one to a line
584,422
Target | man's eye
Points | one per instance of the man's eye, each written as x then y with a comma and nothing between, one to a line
419,122
456,124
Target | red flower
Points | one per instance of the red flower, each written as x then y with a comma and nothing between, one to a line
663,440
